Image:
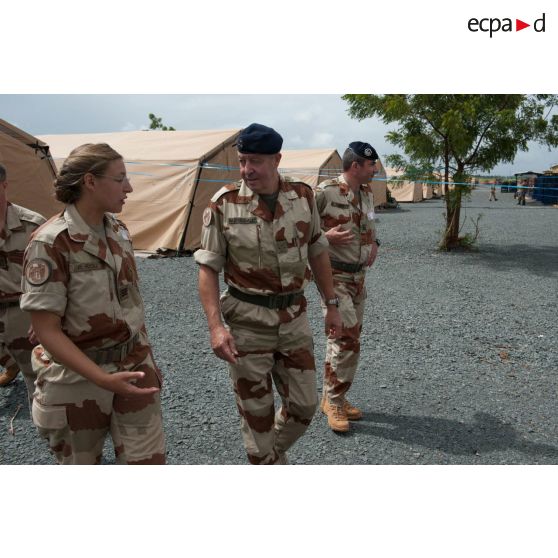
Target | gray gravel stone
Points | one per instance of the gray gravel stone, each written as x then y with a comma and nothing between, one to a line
458,363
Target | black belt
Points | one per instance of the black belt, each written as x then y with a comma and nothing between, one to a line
274,302
117,353
4,305
350,268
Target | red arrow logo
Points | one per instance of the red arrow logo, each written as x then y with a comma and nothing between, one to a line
519,25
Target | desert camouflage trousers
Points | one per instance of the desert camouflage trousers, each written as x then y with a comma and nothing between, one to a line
75,415
275,347
342,354
15,347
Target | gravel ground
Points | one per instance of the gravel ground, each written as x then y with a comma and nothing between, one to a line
458,363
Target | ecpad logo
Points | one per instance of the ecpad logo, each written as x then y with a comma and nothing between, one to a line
494,24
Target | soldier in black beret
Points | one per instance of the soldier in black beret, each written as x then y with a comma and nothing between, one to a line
263,232
346,207
258,138
364,150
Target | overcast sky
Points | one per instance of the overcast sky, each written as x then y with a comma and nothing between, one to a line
304,121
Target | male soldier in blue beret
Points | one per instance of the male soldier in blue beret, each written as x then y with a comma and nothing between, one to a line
346,207
264,231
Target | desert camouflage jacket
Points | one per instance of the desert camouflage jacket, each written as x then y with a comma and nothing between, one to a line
338,205
70,271
262,253
20,223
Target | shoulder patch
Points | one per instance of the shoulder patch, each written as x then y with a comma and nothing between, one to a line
38,271
225,189
207,218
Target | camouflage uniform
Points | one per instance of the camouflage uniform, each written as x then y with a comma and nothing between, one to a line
265,254
71,272
338,205
15,347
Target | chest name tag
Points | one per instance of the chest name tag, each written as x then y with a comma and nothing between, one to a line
86,266
243,220
340,205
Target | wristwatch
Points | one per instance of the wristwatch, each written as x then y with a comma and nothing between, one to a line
332,302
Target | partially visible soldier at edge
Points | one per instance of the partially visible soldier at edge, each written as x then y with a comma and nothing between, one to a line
264,231
16,226
95,369
346,207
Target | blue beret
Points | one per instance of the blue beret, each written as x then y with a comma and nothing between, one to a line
258,138
363,149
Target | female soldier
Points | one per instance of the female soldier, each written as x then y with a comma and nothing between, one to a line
95,370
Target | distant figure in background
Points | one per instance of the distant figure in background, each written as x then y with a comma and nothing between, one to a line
493,192
16,225
521,192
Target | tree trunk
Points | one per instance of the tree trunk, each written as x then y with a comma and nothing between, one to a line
453,217
451,238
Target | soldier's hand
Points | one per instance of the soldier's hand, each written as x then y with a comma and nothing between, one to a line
123,384
338,236
333,323
373,254
222,343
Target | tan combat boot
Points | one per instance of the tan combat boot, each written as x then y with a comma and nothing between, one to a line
9,375
353,413
324,403
337,418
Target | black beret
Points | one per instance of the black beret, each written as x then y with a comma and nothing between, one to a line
363,149
258,138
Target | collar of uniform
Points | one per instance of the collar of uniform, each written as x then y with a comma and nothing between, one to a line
13,221
258,207
343,185
80,231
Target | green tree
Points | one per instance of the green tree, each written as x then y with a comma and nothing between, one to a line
157,124
460,135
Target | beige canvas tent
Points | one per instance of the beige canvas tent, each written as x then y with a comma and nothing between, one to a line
427,193
316,165
174,175
403,190
311,165
31,170
379,185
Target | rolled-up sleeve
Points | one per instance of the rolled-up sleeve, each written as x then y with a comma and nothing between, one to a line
44,283
318,241
213,250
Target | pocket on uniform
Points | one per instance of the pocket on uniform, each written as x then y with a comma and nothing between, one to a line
49,417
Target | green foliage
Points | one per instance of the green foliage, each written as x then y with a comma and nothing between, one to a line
459,134
157,124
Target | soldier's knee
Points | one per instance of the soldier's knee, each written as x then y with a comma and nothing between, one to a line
303,412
